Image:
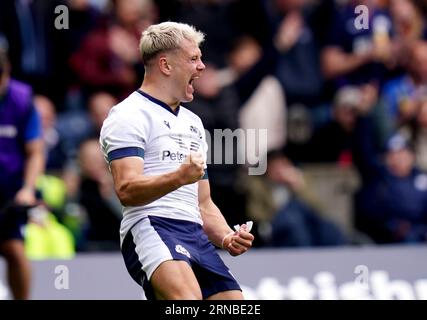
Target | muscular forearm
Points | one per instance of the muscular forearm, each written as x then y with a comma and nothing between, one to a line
214,223
142,189
136,189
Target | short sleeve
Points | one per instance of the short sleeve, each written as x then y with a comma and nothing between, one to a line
124,135
33,128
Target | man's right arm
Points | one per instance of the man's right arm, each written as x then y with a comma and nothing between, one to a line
133,188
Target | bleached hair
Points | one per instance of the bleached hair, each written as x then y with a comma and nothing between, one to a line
166,36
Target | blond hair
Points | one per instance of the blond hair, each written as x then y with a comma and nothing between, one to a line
166,36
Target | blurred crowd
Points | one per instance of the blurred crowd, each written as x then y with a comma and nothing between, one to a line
332,85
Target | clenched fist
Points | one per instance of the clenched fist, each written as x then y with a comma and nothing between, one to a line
192,169
238,242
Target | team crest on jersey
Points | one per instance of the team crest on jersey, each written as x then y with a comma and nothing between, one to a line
167,124
180,249
195,130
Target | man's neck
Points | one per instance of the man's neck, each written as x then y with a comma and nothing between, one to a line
160,94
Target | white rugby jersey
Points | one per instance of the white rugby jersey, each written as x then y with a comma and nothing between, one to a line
145,127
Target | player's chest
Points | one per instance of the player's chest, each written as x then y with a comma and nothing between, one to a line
176,135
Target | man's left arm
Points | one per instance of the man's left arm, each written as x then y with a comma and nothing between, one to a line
217,228
34,160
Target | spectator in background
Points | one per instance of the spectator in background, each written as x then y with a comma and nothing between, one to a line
358,55
249,64
238,96
298,65
21,162
409,22
108,59
84,17
206,15
391,205
35,45
99,106
333,141
75,126
76,214
56,154
285,213
96,195
263,102
293,50
399,96
417,130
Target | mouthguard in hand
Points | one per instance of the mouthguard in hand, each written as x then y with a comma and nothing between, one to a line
249,225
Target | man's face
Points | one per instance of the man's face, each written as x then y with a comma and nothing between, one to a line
46,110
186,66
99,107
129,12
346,116
400,162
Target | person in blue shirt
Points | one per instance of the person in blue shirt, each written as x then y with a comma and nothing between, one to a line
21,162
353,54
391,205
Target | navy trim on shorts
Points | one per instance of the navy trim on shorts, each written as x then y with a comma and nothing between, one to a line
134,266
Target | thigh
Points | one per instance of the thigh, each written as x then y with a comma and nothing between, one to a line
175,279
13,249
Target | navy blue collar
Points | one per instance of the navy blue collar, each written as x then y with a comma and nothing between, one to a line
158,102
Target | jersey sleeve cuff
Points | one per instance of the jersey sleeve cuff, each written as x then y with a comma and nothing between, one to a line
125,152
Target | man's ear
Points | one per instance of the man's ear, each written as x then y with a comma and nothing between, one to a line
165,67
